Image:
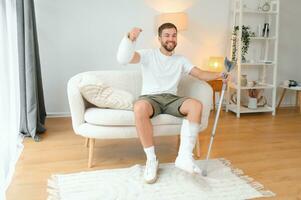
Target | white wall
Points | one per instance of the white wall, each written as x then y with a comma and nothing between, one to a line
79,35
289,54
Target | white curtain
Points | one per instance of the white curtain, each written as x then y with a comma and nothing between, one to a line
10,139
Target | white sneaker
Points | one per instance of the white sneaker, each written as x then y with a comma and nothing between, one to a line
187,164
150,171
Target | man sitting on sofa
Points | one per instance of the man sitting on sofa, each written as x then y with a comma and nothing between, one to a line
161,72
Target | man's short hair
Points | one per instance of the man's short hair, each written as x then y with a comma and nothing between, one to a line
166,26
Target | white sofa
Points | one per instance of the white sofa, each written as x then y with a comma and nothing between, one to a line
98,123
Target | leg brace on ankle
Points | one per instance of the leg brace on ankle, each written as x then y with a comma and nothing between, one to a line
189,132
185,161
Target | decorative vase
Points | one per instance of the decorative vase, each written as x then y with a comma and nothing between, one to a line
266,30
266,7
252,103
274,6
243,80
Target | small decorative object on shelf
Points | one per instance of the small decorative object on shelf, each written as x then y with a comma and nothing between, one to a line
259,30
266,61
259,7
266,30
252,103
274,6
256,98
253,94
243,80
266,7
251,83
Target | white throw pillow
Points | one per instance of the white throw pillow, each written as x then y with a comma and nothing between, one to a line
104,96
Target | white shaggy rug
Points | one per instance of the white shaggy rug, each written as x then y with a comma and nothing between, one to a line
223,182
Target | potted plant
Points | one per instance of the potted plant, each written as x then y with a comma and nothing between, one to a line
246,34
253,93
255,97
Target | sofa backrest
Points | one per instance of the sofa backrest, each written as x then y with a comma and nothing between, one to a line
130,81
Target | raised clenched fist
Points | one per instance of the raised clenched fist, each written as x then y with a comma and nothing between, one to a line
134,33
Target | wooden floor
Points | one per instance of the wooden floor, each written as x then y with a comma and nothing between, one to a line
266,148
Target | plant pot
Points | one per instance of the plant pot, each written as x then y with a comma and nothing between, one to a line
252,103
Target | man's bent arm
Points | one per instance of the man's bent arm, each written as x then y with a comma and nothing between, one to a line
126,51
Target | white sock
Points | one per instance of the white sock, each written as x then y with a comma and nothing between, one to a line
185,161
150,153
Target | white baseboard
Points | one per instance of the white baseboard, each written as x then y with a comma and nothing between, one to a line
286,105
58,114
283,105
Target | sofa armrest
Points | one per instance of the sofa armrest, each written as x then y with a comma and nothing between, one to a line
200,90
76,103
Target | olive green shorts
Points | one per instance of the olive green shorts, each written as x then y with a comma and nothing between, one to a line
164,103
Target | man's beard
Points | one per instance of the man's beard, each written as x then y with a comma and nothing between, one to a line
169,48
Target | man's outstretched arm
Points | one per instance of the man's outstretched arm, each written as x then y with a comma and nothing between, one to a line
126,51
205,75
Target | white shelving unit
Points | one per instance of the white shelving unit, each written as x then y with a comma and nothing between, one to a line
262,66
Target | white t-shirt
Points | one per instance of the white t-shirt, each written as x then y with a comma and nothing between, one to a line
161,73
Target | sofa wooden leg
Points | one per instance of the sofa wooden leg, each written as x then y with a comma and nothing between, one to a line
87,142
178,142
91,146
299,94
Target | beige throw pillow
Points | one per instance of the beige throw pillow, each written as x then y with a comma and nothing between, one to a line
104,96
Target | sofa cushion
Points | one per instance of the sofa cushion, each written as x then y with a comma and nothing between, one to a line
113,117
103,95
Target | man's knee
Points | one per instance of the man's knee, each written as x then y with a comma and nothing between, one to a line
143,108
198,106
193,105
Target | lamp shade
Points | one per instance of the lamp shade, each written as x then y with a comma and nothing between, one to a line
179,19
216,64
